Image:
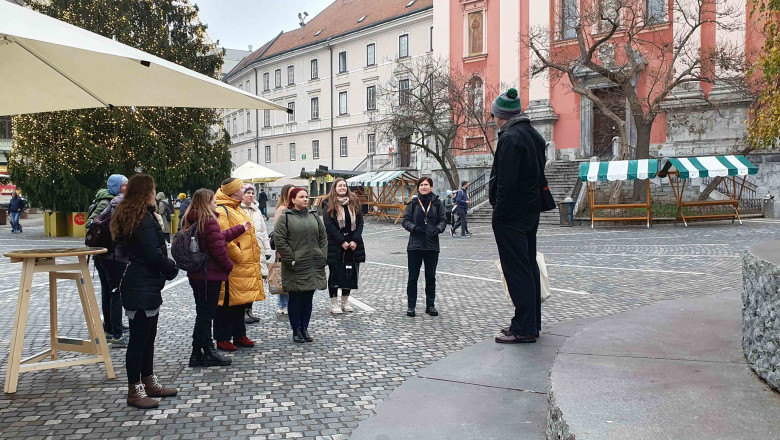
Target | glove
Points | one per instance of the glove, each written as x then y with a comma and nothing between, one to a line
418,230
433,233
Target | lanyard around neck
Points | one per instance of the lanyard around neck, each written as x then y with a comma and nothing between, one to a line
425,210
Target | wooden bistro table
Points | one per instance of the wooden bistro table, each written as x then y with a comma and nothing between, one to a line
43,260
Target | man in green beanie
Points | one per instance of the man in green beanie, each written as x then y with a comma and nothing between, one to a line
515,194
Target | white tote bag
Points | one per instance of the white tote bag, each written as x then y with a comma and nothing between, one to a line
545,281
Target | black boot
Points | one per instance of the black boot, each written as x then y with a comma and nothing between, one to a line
410,312
431,310
196,358
298,336
306,336
213,359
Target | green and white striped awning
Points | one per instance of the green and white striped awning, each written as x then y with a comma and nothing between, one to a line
379,178
710,166
618,170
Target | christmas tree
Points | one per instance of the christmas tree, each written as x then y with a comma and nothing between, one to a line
61,159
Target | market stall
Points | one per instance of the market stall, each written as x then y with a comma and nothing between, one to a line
386,191
733,168
618,170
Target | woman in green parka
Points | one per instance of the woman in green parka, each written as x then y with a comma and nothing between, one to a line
302,244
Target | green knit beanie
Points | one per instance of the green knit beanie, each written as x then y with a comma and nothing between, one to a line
507,105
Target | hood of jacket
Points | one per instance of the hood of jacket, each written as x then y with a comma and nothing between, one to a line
254,206
117,200
522,117
103,194
160,196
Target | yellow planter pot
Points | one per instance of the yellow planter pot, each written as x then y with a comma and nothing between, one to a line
76,226
175,221
55,224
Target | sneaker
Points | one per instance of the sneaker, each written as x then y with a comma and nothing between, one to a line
120,342
226,346
243,341
250,317
284,311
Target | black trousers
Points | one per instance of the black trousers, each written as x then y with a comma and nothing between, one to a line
110,273
299,309
229,319
517,250
415,262
462,213
332,276
139,359
206,295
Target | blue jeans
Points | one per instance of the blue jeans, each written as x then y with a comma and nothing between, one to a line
15,221
284,300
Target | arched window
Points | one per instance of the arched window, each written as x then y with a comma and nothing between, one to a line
476,98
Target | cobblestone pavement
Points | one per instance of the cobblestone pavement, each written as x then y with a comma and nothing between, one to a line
323,390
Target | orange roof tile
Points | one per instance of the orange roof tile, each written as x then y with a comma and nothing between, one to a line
339,18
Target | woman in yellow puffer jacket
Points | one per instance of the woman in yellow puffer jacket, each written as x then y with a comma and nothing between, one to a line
244,285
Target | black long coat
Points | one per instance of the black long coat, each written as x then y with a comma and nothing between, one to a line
437,222
149,267
337,236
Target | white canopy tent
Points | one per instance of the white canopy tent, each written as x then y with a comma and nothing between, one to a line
251,172
49,65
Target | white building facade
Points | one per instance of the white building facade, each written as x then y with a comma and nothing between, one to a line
332,87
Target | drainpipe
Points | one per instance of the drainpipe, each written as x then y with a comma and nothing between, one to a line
257,122
332,145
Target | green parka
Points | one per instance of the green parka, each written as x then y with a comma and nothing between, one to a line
302,244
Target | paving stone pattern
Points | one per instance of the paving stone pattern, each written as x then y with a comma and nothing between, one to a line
323,390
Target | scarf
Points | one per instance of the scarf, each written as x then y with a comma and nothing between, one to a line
341,213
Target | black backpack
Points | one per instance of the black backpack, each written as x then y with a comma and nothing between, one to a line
99,231
185,250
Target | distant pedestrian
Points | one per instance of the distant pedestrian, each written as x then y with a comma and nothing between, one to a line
425,219
281,206
15,207
110,266
139,238
462,207
250,207
184,203
165,211
343,218
207,284
262,203
515,194
303,246
245,284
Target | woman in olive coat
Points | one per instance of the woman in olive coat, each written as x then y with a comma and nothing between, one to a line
302,244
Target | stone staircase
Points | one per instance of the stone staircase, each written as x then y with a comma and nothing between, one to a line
562,178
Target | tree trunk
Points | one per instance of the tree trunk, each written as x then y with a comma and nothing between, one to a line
716,181
642,152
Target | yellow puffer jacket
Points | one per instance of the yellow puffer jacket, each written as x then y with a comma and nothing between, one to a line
246,285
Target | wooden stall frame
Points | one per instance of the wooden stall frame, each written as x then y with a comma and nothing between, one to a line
678,187
594,207
388,192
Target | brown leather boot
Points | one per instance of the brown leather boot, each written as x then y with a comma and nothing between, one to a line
154,389
136,396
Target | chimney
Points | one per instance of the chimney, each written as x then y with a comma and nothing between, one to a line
250,48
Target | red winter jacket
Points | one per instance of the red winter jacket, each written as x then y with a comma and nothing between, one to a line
214,239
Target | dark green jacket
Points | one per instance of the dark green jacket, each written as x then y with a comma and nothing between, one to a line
101,202
302,244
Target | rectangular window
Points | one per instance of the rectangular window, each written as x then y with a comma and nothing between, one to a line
342,62
315,108
267,154
403,92
241,87
315,149
227,125
249,155
5,128
371,98
248,89
290,75
343,147
430,40
342,103
655,11
235,126
278,78
266,82
248,121
266,118
371,143
568,18
292,152
403,46
291,115
314,70
370,54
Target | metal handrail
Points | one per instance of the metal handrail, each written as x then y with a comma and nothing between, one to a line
478,190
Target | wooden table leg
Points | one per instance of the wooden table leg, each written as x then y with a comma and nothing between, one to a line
53,314
92,314
20,322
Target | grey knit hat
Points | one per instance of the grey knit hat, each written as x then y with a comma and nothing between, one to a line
507,105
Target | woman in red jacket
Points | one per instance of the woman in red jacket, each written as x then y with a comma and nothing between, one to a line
206,284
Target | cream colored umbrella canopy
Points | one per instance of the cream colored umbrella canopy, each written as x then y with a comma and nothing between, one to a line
49,65
251,172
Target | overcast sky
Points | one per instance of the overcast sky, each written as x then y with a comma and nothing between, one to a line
239,23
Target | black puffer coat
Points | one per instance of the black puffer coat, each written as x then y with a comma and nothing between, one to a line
149,267
337,236
424,237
